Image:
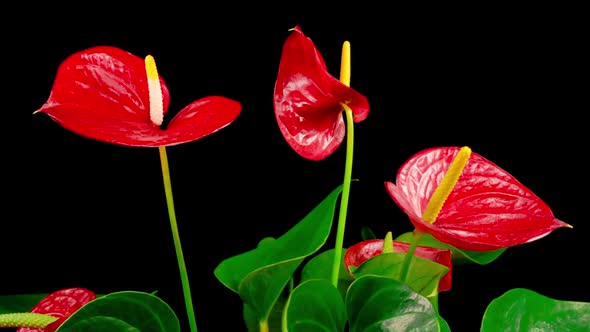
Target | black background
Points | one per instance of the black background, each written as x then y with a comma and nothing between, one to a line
506,81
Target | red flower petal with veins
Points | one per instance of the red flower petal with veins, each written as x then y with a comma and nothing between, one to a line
61,304
307,100
102,93
363,251
488,208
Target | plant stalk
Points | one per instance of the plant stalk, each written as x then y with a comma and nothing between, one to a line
345,79
410,255
177,246
344,198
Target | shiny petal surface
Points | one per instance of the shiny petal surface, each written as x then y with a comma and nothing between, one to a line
102,93
362,251
61,304
307,100
488,208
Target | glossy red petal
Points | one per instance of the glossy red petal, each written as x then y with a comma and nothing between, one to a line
488,208
102,93
61,304
200,118
307,100
362,251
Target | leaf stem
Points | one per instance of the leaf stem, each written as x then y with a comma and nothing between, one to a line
263,324
177,246
410,255
344,197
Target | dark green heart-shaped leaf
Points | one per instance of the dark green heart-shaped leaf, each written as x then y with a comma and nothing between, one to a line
320,267
101,324
521,309
315,305
19,303
260,275
123,311
377,303
459,256
423,276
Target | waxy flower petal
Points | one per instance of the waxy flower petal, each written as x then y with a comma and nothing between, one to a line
488,208
365,250
61,304
102,93
307,100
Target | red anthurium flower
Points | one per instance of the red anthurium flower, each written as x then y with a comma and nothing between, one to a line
308,100
107,94
61,304
363,251
487,209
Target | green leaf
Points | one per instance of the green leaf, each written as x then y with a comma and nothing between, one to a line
266,241
315,305
274,319
521,309
444,326
123,311
367,234
320,267
101,324
260,275
423,276
377,303
19,303
458,256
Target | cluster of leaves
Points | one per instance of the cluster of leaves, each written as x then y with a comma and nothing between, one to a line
464,208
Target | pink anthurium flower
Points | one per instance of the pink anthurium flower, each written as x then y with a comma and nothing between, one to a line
486,209
308,100
103,93
363,251
61,304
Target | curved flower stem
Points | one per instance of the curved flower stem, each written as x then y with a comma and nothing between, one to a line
344,197
410,255
344,78
181,265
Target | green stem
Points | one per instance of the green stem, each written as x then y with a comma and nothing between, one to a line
181,265
410,255
344,197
